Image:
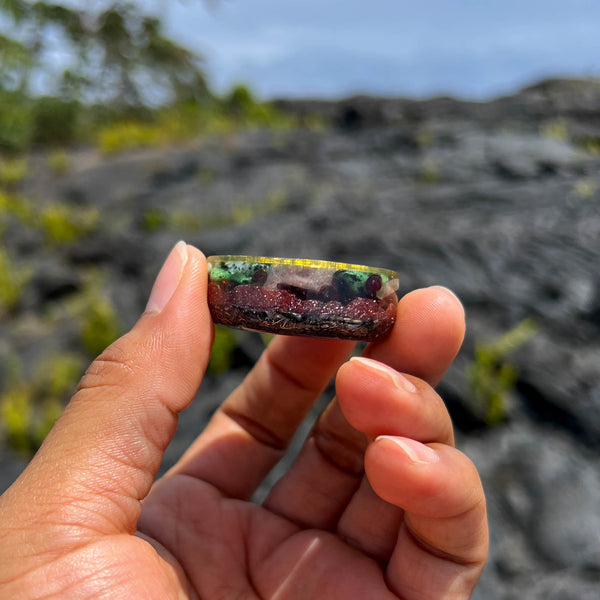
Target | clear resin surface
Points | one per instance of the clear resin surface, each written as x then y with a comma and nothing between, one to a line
302,297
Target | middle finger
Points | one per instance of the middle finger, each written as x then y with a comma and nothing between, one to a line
250,432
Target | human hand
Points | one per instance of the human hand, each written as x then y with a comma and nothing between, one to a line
356,516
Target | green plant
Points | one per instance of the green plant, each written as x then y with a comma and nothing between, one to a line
62,224
429,171
16,122
59,161
95,314
182,121
491,377
12,171
585,187
205,176
54,382
556,129
13,280
14,206
591,144
28,409
16,414
55,121
154,219
128,135
100,324
223,348
242,213
238,213
425,137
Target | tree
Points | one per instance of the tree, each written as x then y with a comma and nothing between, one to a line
112,53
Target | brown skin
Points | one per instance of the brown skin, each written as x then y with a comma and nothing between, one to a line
355,517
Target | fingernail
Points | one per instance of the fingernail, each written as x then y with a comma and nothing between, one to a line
416,452
168,278
448,291
397,379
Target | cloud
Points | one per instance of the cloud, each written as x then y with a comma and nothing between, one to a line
333,48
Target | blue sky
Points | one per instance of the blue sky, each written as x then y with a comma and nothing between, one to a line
333,48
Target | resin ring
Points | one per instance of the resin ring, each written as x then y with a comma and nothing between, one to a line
302,297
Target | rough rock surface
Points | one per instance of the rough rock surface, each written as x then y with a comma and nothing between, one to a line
498,201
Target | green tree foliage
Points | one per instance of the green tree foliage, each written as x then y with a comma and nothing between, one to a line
115,61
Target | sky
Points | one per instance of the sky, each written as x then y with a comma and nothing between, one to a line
332,48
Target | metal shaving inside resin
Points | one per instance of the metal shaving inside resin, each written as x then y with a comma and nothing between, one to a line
302,297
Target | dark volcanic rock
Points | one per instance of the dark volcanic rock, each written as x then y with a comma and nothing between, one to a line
498,201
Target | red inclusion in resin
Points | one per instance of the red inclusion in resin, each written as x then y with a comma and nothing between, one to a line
282,311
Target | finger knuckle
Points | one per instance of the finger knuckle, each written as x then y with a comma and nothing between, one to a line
113,367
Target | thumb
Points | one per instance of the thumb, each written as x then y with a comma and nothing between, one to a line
102,456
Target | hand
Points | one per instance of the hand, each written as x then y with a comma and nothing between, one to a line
356,516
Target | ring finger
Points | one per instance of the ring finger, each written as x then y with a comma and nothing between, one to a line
426,337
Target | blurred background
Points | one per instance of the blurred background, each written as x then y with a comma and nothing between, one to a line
457,143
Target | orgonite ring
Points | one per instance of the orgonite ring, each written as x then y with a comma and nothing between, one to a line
302,297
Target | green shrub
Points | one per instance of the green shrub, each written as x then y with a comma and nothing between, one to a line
59,374
59,161
591,144
12,171
183,121
100,324
29,409
63,224
239,99
491,377
129,135
16,414
185,220
60,223
585,187
13,280
14,206
16,122
154,219
55,121
429,171
205,176
556,129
